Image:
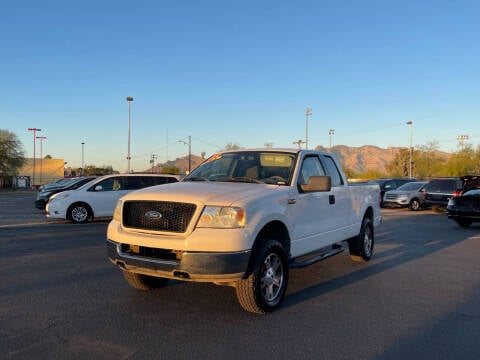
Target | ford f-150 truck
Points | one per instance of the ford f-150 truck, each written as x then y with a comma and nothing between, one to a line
243,218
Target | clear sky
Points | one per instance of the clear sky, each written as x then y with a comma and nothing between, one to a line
225,71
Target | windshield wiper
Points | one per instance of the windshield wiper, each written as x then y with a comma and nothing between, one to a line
195,178
240,179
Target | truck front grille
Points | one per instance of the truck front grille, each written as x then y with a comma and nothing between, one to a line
157,215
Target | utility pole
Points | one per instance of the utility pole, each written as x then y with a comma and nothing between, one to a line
189,151
299,143
152,161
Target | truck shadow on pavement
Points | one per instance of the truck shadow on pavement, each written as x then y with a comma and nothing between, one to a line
395,247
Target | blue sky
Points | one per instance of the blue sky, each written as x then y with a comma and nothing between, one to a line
236,72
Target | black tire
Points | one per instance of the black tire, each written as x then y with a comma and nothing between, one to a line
361,246
79,213
264,289
143,282
414,204
464,223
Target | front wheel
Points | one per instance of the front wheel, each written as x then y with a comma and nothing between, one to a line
79,213
264,289
361,246
414,205
143,282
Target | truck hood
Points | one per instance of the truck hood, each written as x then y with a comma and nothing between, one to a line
205,192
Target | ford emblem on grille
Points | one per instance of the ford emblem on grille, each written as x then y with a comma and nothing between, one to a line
153,215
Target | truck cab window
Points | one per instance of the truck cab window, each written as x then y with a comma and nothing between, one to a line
333,171
311,166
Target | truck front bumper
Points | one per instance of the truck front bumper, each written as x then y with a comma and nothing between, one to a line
187,266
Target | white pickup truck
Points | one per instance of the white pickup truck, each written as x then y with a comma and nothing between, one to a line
242,219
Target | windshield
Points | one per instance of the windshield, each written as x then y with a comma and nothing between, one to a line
411,186
246,166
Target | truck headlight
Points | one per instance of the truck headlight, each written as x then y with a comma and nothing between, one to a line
117,212
222,217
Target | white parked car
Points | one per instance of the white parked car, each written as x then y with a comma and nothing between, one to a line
98,198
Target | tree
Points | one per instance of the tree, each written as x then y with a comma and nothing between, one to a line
232,146
170,169
12,156
463,162
400,165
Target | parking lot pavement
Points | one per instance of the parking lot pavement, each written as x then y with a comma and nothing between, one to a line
18,208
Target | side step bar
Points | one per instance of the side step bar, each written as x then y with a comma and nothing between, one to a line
315,257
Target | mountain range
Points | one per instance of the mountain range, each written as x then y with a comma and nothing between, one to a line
358,159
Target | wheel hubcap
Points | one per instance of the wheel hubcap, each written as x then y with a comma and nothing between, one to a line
272,277
79,214
367,241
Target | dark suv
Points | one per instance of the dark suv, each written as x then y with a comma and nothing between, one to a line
390,184
439,190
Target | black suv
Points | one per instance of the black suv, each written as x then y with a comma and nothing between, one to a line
439,190
390,184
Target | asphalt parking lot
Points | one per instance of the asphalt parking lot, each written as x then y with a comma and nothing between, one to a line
60,298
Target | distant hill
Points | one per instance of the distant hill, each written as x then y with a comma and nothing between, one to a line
358,159
367,157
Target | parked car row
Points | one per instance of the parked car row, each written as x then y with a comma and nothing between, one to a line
80,199
47,191
421,194
97,196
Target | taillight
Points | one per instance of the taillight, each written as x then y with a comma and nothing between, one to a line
457,193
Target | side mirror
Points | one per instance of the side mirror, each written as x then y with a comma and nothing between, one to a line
98,188
317,183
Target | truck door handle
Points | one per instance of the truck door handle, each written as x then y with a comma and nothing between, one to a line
331,199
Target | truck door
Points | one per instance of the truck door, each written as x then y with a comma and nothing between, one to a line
342,212
312,213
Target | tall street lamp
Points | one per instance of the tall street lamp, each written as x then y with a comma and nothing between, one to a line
189,151
34,140
461,140
330,133
83,157
129,100
308,112
41,138
410,123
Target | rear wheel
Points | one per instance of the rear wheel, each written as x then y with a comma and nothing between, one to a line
264,289
143,282
414,205
464,222
79,213
361,246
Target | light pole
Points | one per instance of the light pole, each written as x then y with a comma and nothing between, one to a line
308,112
41,155
410,123
330,133
189,151
461,140
83,158
129,100
34,140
